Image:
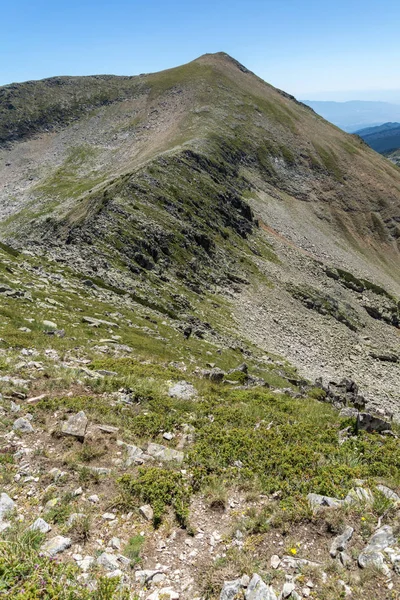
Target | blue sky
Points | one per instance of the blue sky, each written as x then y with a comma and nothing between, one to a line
313,49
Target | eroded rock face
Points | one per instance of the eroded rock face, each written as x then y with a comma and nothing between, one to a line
370,423
76,426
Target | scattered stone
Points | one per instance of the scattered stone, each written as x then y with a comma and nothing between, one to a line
23,426
258,590
115,543
231,590
108,561
164,453
146,576
168,436
40,525
371,555
359,494
287,590
56,545
74,517
97,322
108,517
147,512
182,390
339,544
76,426
316,500
94,499
6,505
108,428
275,561
388,493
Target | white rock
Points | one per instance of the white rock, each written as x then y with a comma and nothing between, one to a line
108,516
147,512
40,525
56,545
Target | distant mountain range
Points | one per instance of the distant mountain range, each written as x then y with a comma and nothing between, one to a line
384,138
356,114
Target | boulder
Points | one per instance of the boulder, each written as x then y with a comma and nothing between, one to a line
23,425
372,554
371,424
76,426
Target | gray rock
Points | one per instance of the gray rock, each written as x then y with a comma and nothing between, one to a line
134,453
359,494
23,425
74,517
163,453
316,500
372,555
388,493
231,589
6,505
76,426
147,512
381,539
40,525
348,412
371,424
56,545
216,375
148,575
258,590
371,559
108,561
182,390
287,590
340,542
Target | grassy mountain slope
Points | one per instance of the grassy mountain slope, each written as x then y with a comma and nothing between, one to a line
169,227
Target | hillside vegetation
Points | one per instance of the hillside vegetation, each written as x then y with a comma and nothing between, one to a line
199,352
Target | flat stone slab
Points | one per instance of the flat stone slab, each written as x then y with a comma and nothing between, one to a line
316,500
23,425
56,545
182,390
76,426
163,453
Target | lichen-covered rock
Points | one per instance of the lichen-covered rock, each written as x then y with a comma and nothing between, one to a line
76,426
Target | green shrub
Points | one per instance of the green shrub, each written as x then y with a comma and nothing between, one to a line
160,488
